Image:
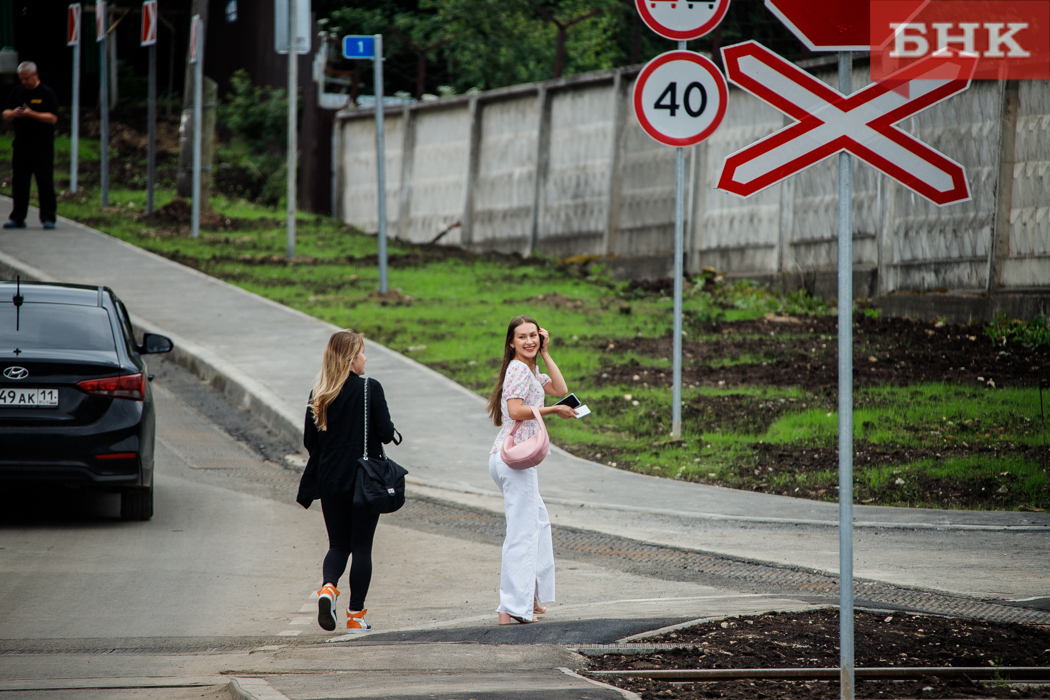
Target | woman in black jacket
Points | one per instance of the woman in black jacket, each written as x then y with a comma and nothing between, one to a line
334,437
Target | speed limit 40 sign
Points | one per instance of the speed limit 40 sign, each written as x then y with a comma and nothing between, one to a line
680,98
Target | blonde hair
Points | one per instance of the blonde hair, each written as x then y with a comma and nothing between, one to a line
343,348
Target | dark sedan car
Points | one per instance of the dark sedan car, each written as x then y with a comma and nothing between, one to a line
75,401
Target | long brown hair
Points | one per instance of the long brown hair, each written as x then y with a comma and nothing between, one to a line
343,348
495,406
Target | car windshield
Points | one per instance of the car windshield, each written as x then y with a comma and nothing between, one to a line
55,327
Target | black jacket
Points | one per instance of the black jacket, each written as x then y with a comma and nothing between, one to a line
334,452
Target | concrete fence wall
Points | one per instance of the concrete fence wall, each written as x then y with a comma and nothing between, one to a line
562,168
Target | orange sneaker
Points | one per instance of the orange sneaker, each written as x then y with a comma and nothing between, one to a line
326,607
355,622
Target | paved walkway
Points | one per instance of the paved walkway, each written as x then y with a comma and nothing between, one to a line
266,355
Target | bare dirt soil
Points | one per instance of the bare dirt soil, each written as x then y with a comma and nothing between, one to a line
924,491
810,640
803,351
128,139
175,218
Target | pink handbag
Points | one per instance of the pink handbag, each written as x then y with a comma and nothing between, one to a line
527,453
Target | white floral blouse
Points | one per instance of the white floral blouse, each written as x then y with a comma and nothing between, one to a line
520,383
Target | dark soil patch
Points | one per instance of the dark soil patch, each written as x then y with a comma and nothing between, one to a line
560,301
657,287
129,133
732,413
803,351
996,492
177,218
810,640
128,139
173,220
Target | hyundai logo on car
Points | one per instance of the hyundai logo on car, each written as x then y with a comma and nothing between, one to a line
16,372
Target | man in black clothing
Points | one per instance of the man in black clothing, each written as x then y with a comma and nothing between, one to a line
33,110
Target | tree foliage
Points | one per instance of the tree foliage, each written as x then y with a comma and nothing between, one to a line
485,44
256,117
256,114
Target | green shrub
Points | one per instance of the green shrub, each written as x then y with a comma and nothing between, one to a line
256,114
1031,334
252,164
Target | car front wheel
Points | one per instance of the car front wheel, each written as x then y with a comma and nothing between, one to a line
137,503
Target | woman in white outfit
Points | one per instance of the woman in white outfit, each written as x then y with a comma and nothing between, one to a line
527,574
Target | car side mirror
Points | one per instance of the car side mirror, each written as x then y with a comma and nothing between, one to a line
153,343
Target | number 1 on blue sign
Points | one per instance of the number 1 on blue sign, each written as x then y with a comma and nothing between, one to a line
359,46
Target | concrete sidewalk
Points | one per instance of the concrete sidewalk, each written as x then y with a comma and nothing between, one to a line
265,356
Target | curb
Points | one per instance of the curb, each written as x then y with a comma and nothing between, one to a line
628,695
253,689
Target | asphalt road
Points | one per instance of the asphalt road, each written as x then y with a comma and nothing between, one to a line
221,581
212,562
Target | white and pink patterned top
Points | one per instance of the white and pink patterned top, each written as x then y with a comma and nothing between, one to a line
520,383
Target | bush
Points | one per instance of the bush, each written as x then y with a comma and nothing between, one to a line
251,160
1031,334
257,115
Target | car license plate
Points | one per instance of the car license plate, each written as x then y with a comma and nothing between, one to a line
28,398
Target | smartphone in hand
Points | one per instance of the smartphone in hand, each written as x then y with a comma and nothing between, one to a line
572,402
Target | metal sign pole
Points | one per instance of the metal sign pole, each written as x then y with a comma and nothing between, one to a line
679,239
846,676
103,80
198,98
293,91
74,128
380,161
151,136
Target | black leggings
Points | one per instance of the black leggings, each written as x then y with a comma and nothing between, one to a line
350,533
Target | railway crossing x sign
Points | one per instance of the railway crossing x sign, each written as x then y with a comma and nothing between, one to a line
863,123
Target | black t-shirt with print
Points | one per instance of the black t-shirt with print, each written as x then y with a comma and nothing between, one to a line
29,131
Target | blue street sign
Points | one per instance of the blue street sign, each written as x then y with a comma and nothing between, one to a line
359,46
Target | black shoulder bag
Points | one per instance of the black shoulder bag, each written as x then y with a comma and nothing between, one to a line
380,484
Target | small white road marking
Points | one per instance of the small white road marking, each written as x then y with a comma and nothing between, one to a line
290,633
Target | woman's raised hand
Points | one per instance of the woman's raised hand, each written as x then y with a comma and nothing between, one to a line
545,341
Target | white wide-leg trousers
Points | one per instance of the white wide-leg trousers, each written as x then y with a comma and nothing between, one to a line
528,551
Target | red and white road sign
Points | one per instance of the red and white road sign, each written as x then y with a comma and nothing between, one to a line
862,123
100,21
682,20
825,25
680,98
195,31
149,23
73,25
